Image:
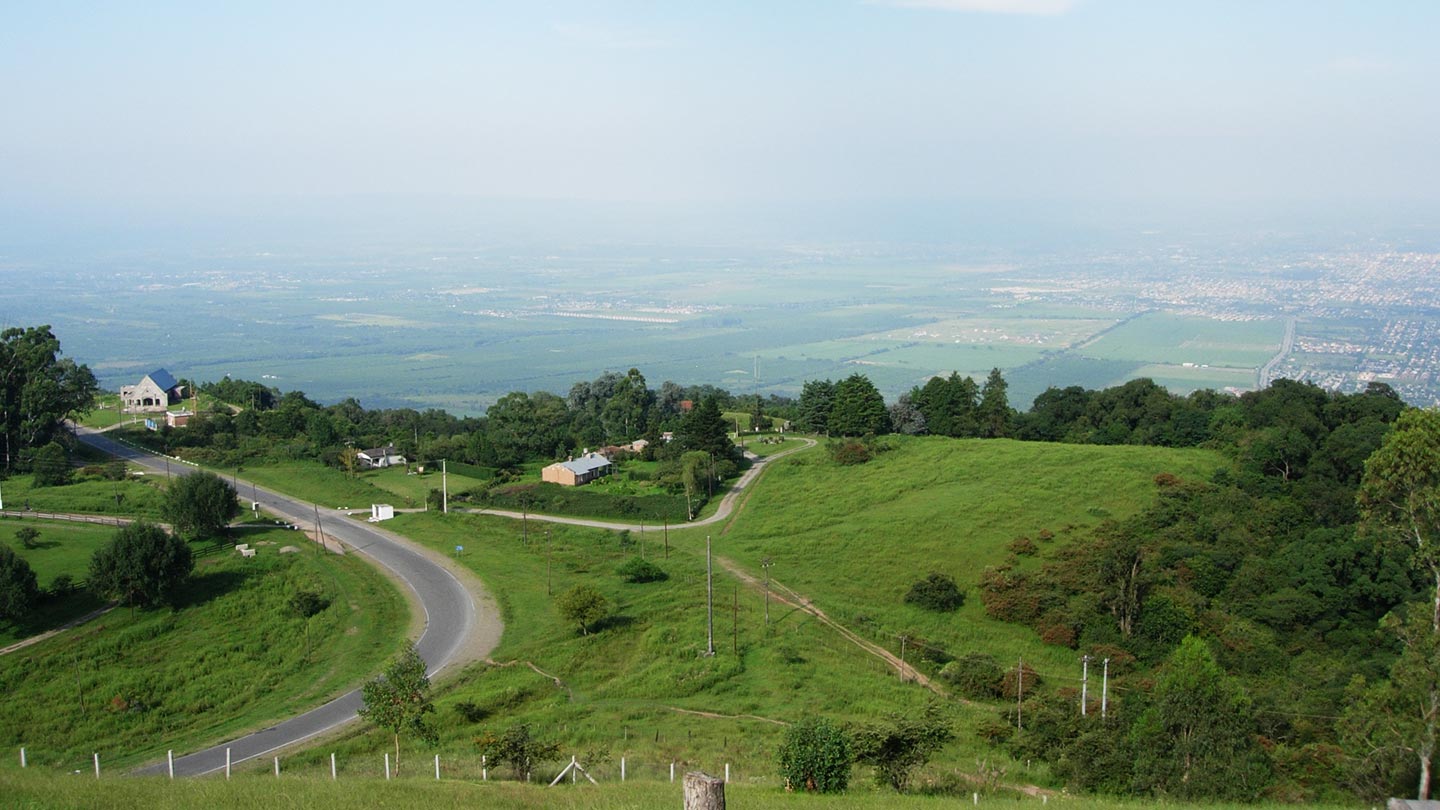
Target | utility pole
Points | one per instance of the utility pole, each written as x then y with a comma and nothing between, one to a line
709,601
1105,687
667,538
444,488
765,563
547,562
1084,682
903,640
735,622
318,528
1019,691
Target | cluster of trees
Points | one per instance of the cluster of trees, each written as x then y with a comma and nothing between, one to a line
1268,571
143,565
39,390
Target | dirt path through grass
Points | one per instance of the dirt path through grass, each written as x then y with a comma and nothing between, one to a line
787,596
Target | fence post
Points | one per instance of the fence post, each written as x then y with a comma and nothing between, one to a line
437,767
332,767
622,769
97,765
170,761
484,770
672,771
277,767
703,792
727,772
387,765
227,763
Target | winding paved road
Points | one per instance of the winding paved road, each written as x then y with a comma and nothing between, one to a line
453,624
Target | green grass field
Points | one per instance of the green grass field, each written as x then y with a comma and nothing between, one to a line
39,790
231,656
63,547
851,538
136,496
1160,337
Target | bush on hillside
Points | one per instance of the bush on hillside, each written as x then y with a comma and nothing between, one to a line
975,675
937,592
815,757
638,569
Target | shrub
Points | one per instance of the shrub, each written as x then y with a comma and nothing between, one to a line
638,569
471,711
17,585
27,535
1011,682
1062,635
61,586
143,565
848,452
936,592
1023,546
975,675
815,756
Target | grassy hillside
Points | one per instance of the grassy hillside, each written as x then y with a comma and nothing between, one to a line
855,538
47,791
230,656
851,538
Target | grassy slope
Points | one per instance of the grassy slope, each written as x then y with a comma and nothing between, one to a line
855,539
231,657
47,791
63,547
859,535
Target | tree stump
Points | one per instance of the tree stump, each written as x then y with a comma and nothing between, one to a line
704,792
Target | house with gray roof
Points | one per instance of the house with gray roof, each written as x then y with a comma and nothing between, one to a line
576,471
154,393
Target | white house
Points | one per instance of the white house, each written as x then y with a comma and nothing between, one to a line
380,457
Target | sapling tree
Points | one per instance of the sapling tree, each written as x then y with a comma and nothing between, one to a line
399,699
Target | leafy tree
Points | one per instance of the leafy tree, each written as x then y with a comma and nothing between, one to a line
937,592
817,397
858,409
519,748
1400,493
905,418
27,535
815,756
51,465
584,605
638,569
1197,738
38,389
200,505
399,699
901,744
1392,724
18,590
142,565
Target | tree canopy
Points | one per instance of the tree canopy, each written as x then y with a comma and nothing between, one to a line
38,390
200,505
143,565
18,590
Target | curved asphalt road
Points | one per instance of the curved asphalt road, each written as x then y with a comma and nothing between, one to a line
450,613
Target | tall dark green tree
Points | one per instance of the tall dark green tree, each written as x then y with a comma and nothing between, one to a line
704,429
38,389
817,397
142,565
994,411
859,409
200,505
18,590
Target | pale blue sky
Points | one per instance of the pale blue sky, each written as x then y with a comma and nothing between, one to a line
787,100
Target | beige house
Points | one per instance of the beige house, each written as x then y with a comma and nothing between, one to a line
380,457
153,394
575,472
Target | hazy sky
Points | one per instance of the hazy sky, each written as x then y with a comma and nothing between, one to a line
721,100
